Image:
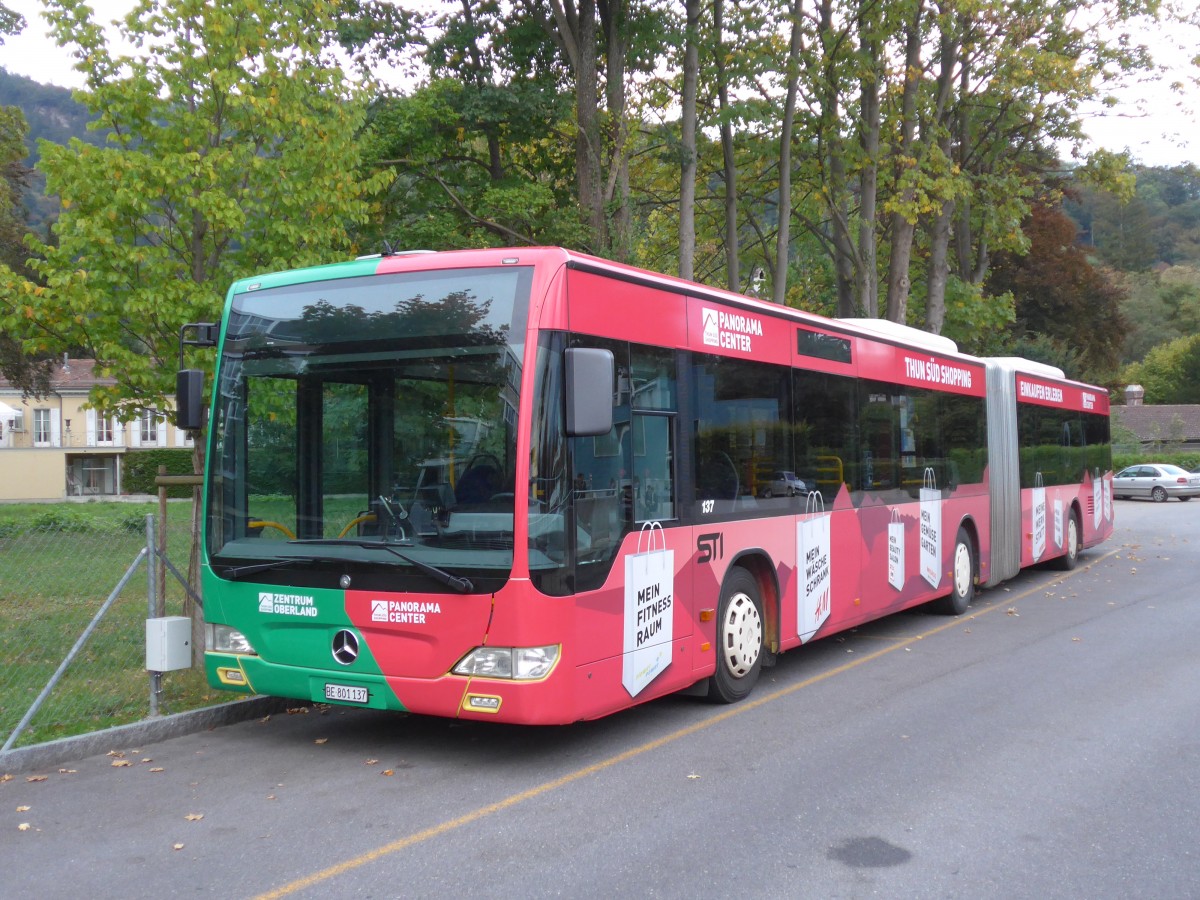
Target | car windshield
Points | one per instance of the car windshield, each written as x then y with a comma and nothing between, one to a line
363,416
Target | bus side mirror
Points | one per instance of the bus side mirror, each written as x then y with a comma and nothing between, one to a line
189,399
589,388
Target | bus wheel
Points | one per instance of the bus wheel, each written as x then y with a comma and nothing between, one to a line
739,639
962,578
1067,561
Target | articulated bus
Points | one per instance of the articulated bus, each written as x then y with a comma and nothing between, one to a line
534,486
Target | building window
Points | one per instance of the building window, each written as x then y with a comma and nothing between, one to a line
104,430
17,422
149,427
41,426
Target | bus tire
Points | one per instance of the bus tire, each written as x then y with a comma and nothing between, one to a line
962,578
739,639
1067,561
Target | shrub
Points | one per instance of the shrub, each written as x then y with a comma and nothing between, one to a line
61,520
140,468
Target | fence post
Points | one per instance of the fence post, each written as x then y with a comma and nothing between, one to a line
161,568
152,606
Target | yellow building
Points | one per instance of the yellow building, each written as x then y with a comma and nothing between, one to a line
52,448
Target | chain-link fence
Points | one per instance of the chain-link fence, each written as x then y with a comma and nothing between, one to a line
58,565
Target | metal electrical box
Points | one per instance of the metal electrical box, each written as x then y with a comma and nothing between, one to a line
168,643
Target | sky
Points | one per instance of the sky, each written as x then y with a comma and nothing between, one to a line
1156,125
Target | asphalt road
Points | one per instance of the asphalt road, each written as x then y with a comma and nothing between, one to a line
1044,745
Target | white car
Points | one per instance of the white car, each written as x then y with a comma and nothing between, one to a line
1157,481
785,484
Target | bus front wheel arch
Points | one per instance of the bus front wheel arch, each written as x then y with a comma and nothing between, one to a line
740,638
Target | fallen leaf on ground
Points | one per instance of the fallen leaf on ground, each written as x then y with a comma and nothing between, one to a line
119,763
387,772
32,778
177,846
158,769
321,741
24,826
194,817
24,808
372,762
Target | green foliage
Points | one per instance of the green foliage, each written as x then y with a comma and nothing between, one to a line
977,322
1170,373
1186,459
62,519
233,149
140,467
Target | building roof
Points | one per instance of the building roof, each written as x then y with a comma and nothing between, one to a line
71,376
1171,421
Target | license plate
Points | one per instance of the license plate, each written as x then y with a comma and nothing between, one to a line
344,693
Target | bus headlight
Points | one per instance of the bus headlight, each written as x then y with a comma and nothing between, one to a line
516,663
223,639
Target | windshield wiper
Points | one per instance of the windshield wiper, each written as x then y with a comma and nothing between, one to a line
239,571
462,585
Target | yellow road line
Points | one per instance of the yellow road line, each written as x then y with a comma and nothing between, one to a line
513,799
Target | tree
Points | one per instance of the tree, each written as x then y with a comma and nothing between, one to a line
1170,373
30,374
1060,295
475,148
233,149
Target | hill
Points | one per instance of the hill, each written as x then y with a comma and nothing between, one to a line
53,115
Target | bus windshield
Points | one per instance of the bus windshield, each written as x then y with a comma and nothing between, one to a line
365,428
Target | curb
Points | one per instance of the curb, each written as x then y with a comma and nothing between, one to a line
52,753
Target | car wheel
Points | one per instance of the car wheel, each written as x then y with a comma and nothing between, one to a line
1158,495
767,493
1184,499
962,579
739,639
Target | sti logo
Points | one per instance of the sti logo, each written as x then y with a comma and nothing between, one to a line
712,327
379,610
266,602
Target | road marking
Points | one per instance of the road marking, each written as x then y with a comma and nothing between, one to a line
738,709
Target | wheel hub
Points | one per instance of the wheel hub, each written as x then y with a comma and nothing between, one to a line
741,635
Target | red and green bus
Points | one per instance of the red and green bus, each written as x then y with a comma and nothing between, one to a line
535,486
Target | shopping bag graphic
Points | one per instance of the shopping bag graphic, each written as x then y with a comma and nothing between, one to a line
813,562
896,551
931,529
649,610
1097,501
1039,517
1058,522
1107,498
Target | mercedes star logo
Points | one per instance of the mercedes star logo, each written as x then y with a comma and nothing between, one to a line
345,647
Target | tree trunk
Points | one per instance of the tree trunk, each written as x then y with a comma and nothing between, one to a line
733,275
903,221
577,31
867,274
687,174
613,17
783,235
939,269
